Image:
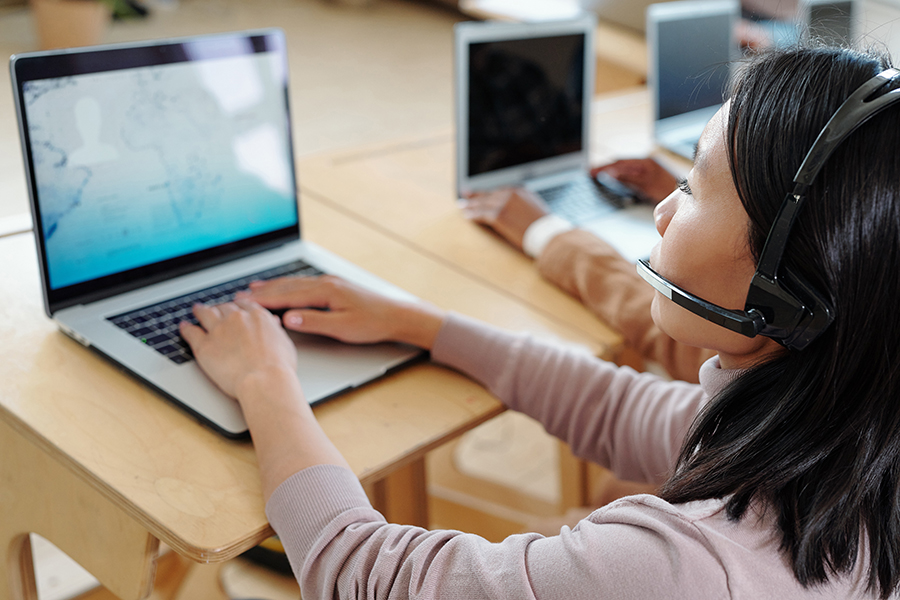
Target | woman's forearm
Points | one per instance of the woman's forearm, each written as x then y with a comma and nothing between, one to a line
284,429
285,432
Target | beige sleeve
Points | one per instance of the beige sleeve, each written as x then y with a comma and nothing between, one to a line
592,271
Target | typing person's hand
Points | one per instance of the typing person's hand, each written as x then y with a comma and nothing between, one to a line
239,340
649,180
336,308
752,36
508,211
244,350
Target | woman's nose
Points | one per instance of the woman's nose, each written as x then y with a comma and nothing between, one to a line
664,211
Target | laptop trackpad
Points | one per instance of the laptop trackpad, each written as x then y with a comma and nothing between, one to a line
326,367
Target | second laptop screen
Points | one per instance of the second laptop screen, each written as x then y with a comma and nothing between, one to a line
526,101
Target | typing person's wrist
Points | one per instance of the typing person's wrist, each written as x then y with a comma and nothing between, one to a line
418,324
539,234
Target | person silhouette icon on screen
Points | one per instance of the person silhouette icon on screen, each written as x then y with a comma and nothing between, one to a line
88,121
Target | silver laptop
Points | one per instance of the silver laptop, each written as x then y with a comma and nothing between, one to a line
161,174
523,106
690,45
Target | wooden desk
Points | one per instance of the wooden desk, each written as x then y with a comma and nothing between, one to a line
104,469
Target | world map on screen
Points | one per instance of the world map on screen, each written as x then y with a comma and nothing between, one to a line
137,166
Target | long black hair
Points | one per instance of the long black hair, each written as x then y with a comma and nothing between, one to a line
815,434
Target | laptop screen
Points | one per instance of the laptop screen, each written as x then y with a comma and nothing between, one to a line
692,54
146,158
526,101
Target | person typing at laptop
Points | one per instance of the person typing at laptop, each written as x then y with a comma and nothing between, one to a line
587,267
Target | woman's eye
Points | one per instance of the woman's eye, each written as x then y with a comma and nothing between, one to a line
684,187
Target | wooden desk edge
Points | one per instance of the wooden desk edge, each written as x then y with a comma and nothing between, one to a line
205,555
223,553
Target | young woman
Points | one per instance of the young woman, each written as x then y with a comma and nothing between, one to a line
780,470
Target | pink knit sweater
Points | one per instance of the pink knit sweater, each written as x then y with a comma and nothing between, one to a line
639,547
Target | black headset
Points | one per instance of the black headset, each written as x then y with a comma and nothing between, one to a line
780,304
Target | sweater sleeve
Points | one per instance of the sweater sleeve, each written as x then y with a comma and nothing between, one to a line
591,270
339,547
629,422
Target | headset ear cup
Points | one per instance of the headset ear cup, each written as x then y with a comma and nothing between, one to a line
818,316
794,311
781,309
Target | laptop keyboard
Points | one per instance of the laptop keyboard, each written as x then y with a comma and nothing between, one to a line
580,200
157,325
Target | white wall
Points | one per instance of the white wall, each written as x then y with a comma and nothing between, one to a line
880,22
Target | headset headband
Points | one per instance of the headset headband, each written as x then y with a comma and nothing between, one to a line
780,304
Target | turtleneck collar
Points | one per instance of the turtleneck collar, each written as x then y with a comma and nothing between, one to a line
713,378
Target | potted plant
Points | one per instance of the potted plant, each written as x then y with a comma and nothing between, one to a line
68,23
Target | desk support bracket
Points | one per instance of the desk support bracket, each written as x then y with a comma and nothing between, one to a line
39,495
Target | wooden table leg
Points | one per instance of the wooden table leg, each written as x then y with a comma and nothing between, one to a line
40,495
402,496
573,479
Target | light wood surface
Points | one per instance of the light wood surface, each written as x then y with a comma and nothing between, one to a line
42,496
179,578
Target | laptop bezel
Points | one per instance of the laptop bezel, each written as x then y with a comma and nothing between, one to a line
468,33
35,66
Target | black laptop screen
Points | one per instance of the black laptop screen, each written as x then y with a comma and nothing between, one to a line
526,101
179,152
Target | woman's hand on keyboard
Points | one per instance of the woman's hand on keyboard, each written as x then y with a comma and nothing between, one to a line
238,340
333,307
644,176
508,211
244,350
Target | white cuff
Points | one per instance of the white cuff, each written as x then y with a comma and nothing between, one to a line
539,233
